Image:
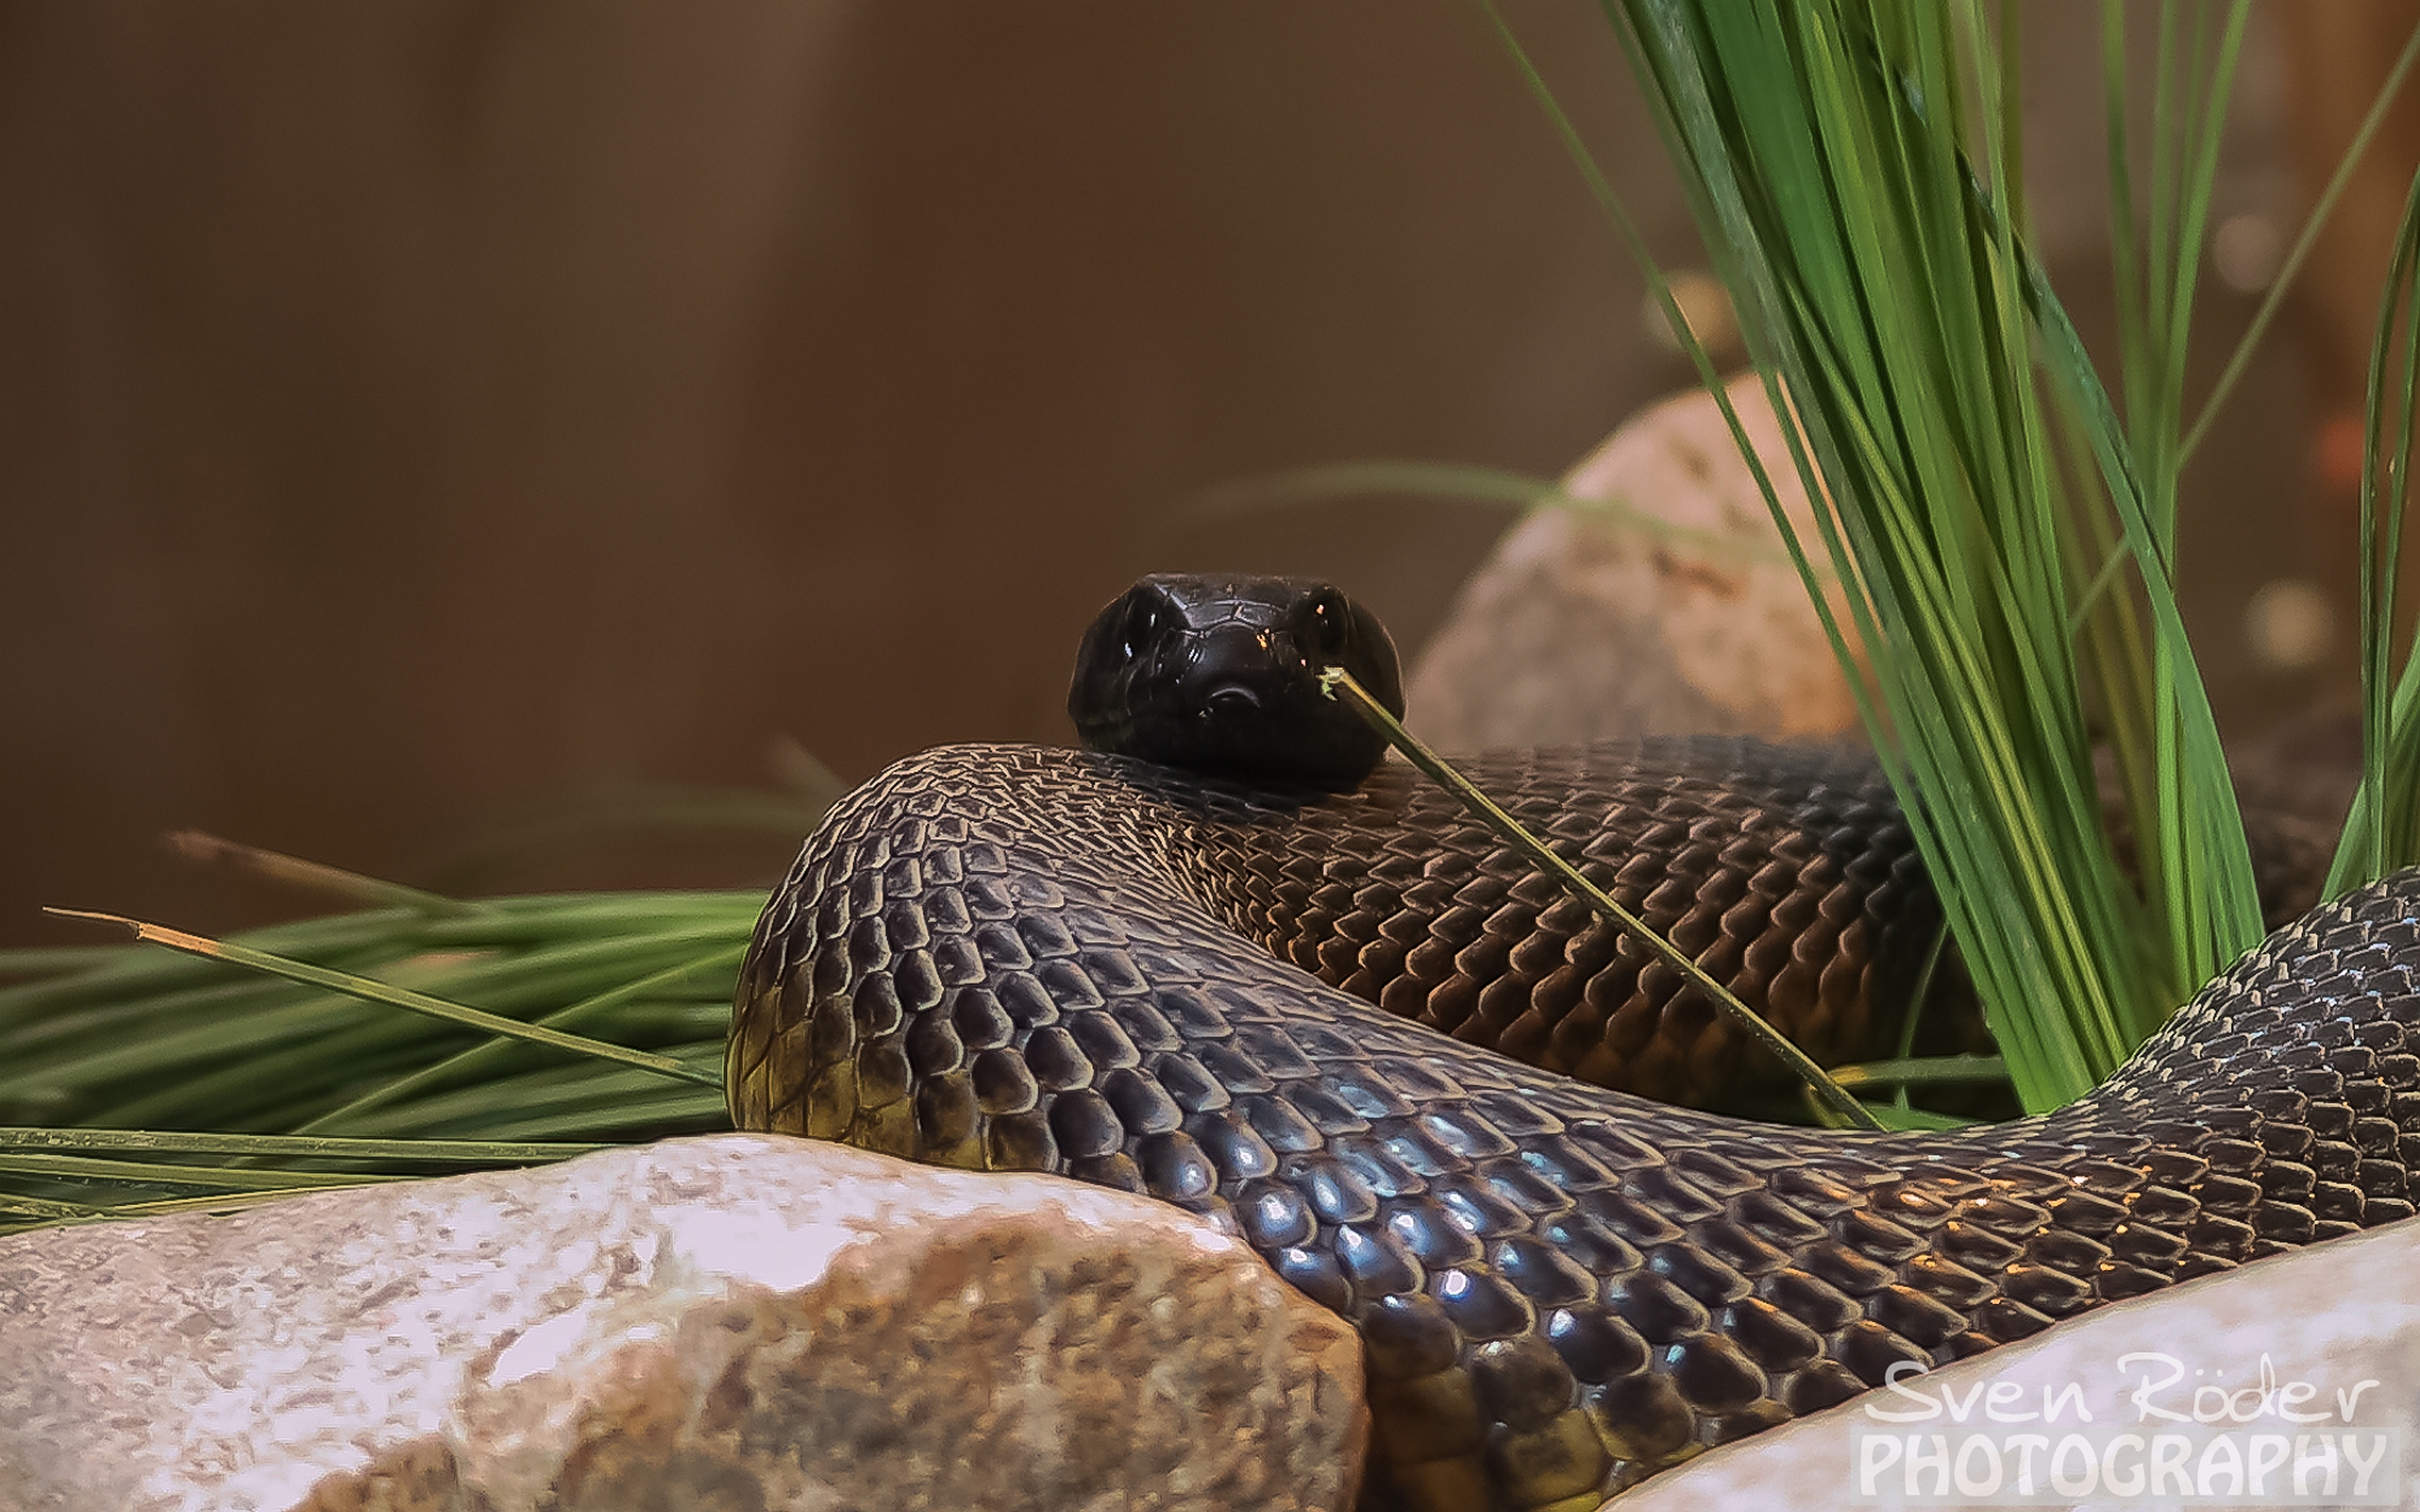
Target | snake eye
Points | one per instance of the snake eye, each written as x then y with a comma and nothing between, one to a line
1142,625
1327,624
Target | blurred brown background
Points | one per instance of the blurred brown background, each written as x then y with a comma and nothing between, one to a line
416,418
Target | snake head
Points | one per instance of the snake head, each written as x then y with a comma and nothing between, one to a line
1220,675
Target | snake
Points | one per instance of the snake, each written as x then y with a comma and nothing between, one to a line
1228,957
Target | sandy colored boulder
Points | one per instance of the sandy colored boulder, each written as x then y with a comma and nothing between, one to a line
2288,1359
1680,615
739,1322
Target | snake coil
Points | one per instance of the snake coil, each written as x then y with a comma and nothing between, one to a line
1229,995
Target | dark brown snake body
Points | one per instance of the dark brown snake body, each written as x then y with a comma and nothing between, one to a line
1034,959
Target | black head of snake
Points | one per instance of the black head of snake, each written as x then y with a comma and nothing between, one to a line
1220,675
1354,1030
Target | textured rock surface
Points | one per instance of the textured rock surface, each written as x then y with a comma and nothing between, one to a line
740,1322
2326,1319
1580,627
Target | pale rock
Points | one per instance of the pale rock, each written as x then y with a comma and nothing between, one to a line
1583,625
738,1322
2294,1334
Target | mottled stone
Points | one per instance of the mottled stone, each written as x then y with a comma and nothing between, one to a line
2297,1333
740,1322
1584,626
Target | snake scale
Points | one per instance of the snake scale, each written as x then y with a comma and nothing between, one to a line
1306,1014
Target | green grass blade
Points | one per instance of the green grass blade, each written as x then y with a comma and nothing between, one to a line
141,1174
1932,1071
481,1058
2383,830
2274,298
498,1152
19,1212
335,881
372,991
1482,485
207,1202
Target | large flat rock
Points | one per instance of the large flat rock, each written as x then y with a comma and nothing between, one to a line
738,1322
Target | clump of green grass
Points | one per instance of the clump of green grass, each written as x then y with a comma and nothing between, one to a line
1856,175
2007,527
134,1081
